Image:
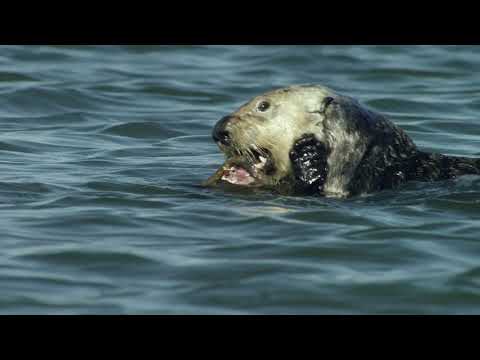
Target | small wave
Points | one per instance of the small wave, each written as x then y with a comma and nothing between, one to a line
14,77
27,187
142,130
88,258
5,146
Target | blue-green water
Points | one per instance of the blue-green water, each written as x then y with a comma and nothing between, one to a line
103,148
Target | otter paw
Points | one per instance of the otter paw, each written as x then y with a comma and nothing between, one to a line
309,162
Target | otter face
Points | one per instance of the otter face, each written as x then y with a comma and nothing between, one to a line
258,137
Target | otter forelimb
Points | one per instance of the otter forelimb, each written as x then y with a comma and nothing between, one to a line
309,162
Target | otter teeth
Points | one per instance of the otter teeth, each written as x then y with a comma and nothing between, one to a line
260,164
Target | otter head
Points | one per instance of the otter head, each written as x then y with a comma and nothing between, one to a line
259,136
263,144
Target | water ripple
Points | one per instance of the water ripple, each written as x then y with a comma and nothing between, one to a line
142,130
103,149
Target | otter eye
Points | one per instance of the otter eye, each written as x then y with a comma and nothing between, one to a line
263,106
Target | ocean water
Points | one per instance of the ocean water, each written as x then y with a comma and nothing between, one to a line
103,149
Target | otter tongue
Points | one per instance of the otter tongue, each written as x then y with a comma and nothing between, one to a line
237,175
232,172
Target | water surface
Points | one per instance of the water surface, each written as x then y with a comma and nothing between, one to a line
103,148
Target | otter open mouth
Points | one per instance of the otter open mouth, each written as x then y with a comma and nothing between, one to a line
244,170
241,172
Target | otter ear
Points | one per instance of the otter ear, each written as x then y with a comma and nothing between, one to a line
321,108
326,102
309,162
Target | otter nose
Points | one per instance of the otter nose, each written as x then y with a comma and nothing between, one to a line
220,134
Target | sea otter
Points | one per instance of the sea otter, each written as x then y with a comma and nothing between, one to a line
308,139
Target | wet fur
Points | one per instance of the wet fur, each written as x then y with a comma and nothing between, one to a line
325,143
